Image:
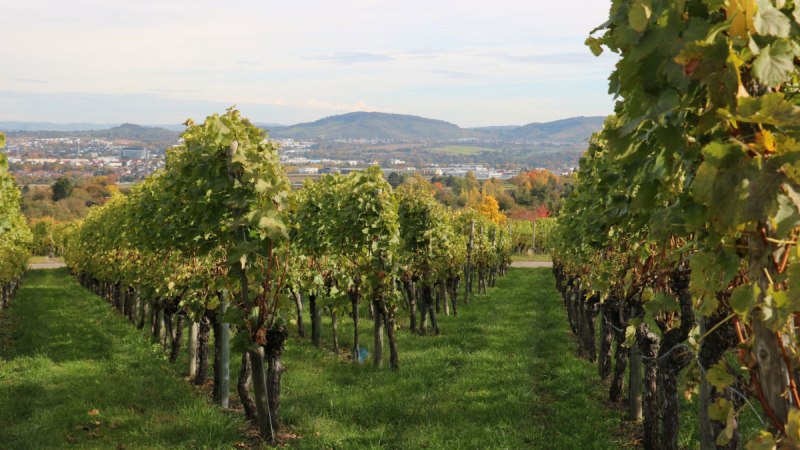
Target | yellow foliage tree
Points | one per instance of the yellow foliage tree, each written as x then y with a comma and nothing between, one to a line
491,210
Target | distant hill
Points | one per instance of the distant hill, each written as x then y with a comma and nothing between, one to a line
132,132
268,126
356,125
374,125
399,127
126,131
47,126
574,129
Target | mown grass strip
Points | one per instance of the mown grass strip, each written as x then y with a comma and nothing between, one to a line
502,375
74,374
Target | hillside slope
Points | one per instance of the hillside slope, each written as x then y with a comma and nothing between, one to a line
372,125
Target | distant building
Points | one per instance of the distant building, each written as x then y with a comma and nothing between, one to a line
133,153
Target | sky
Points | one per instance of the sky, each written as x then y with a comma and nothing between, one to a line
473,63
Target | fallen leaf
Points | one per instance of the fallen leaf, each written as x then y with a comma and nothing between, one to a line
94,412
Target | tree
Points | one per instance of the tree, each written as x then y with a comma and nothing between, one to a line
491,209
62,188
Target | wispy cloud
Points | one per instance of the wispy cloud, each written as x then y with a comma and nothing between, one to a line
353,57
560,59
175,91
31,80
313,104
250,63
454,74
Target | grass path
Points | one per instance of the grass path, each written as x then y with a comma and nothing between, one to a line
74,374
502,375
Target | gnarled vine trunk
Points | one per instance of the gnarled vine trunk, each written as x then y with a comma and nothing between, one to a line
648,344
202,351
244,385
672,358
272,352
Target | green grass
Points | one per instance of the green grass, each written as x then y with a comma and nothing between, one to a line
502,375
65,353
528,257
463,150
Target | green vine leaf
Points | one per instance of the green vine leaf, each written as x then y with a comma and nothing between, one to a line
764,441
770,21
719,377
775,64
639,14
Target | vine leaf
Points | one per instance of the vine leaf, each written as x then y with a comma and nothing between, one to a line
639,15
723,411
719,377
771,21
792,438
769,109
743,299
787,217
764,441
775,63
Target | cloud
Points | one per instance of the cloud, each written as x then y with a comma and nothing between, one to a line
454,74
559,59
249,63
31,80
353,57
175,91
311,104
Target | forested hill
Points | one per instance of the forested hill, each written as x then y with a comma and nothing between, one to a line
126,131
137,133
398,127
574,129
374,125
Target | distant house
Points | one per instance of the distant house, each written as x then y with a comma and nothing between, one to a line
133,153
